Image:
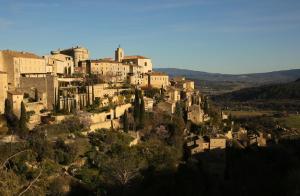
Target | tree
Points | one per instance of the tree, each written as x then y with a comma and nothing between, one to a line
125,122
23,119
178,110
8,109
57,101
66,70
142,113
88,95
69,71
93,94
36,95
136,109
73,106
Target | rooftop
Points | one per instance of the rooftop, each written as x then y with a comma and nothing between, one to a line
134,57
21,54
157,74
15,92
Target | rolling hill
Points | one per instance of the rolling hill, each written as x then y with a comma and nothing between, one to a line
255,78
286,91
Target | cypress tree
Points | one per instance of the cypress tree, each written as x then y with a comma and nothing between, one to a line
136,109
69,71
178,116
93,95
8,109
178,110
67,105
125,122
64,105
55,101
58,102
36,95
142,113
80,102
11,118
75,104
23,119
88,95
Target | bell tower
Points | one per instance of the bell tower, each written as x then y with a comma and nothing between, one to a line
119,54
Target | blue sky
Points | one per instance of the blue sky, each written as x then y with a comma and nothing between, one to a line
224,36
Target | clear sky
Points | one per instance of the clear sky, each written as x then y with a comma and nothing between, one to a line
225,36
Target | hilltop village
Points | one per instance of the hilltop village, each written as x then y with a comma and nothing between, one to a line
100,123
66,83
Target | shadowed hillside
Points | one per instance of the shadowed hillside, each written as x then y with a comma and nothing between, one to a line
259,78
268,92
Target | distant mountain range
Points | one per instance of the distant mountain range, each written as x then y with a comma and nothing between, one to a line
285,91
255,78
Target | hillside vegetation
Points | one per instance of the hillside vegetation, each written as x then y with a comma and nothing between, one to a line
268,92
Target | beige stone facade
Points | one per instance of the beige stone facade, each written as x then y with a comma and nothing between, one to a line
21,64
173,94
111,71
77,53
148,104
196,114
168,107
217,143
60,64
16,98
158,80
120,69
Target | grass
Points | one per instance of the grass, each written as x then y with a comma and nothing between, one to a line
292,121
240,114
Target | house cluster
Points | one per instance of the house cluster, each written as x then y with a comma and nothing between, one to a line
68,80
240,138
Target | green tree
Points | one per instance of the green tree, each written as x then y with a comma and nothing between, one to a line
23,120
36,95
93,94
178,110
69,71
57,102
142,113
66,70
136,109
125,122
8,108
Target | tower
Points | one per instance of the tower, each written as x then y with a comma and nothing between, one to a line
119,54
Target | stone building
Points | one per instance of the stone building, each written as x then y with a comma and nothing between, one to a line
196,114
109,70
167,106
158,80
148,104
217,143
3,90
48,84
61,64
173,94
16,98
120,69
21,64
77,53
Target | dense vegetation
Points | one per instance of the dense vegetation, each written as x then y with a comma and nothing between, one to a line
275,97
268,92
